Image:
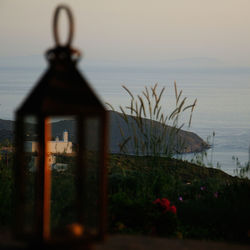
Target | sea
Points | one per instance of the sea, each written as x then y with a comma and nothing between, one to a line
222,110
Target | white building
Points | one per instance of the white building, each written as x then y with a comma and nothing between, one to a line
55,147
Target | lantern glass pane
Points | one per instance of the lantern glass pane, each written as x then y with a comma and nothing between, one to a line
92,164
62,159
30,165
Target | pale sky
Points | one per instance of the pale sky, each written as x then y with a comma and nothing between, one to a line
133,30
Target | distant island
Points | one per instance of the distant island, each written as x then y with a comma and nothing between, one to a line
192,142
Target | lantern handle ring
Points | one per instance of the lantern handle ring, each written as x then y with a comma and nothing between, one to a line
55,25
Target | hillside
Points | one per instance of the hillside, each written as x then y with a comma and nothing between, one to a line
192,142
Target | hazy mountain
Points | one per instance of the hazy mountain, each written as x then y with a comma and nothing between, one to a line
6,124
192,142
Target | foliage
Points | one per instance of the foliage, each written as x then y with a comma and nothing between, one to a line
217,215
6,191
165,224
137,177
140,216
242,170
202,158
210,204
62,200
151,132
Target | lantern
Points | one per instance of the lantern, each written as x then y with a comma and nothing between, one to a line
61,142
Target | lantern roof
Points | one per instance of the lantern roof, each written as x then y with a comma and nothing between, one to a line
62,89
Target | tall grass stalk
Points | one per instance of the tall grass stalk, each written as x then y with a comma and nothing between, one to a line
241,170
152,132
202,158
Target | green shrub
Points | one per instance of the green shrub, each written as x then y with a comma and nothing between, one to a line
6,193
223,215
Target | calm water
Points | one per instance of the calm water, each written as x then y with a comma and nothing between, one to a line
223,99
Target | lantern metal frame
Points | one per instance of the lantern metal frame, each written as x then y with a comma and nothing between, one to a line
62,91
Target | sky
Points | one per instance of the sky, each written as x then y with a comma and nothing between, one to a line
213,33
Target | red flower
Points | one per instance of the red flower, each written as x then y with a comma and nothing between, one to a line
165,205
173,209
157,201
165,202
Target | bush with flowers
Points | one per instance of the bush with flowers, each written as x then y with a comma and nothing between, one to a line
157,218
165,222
164,205
198,202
